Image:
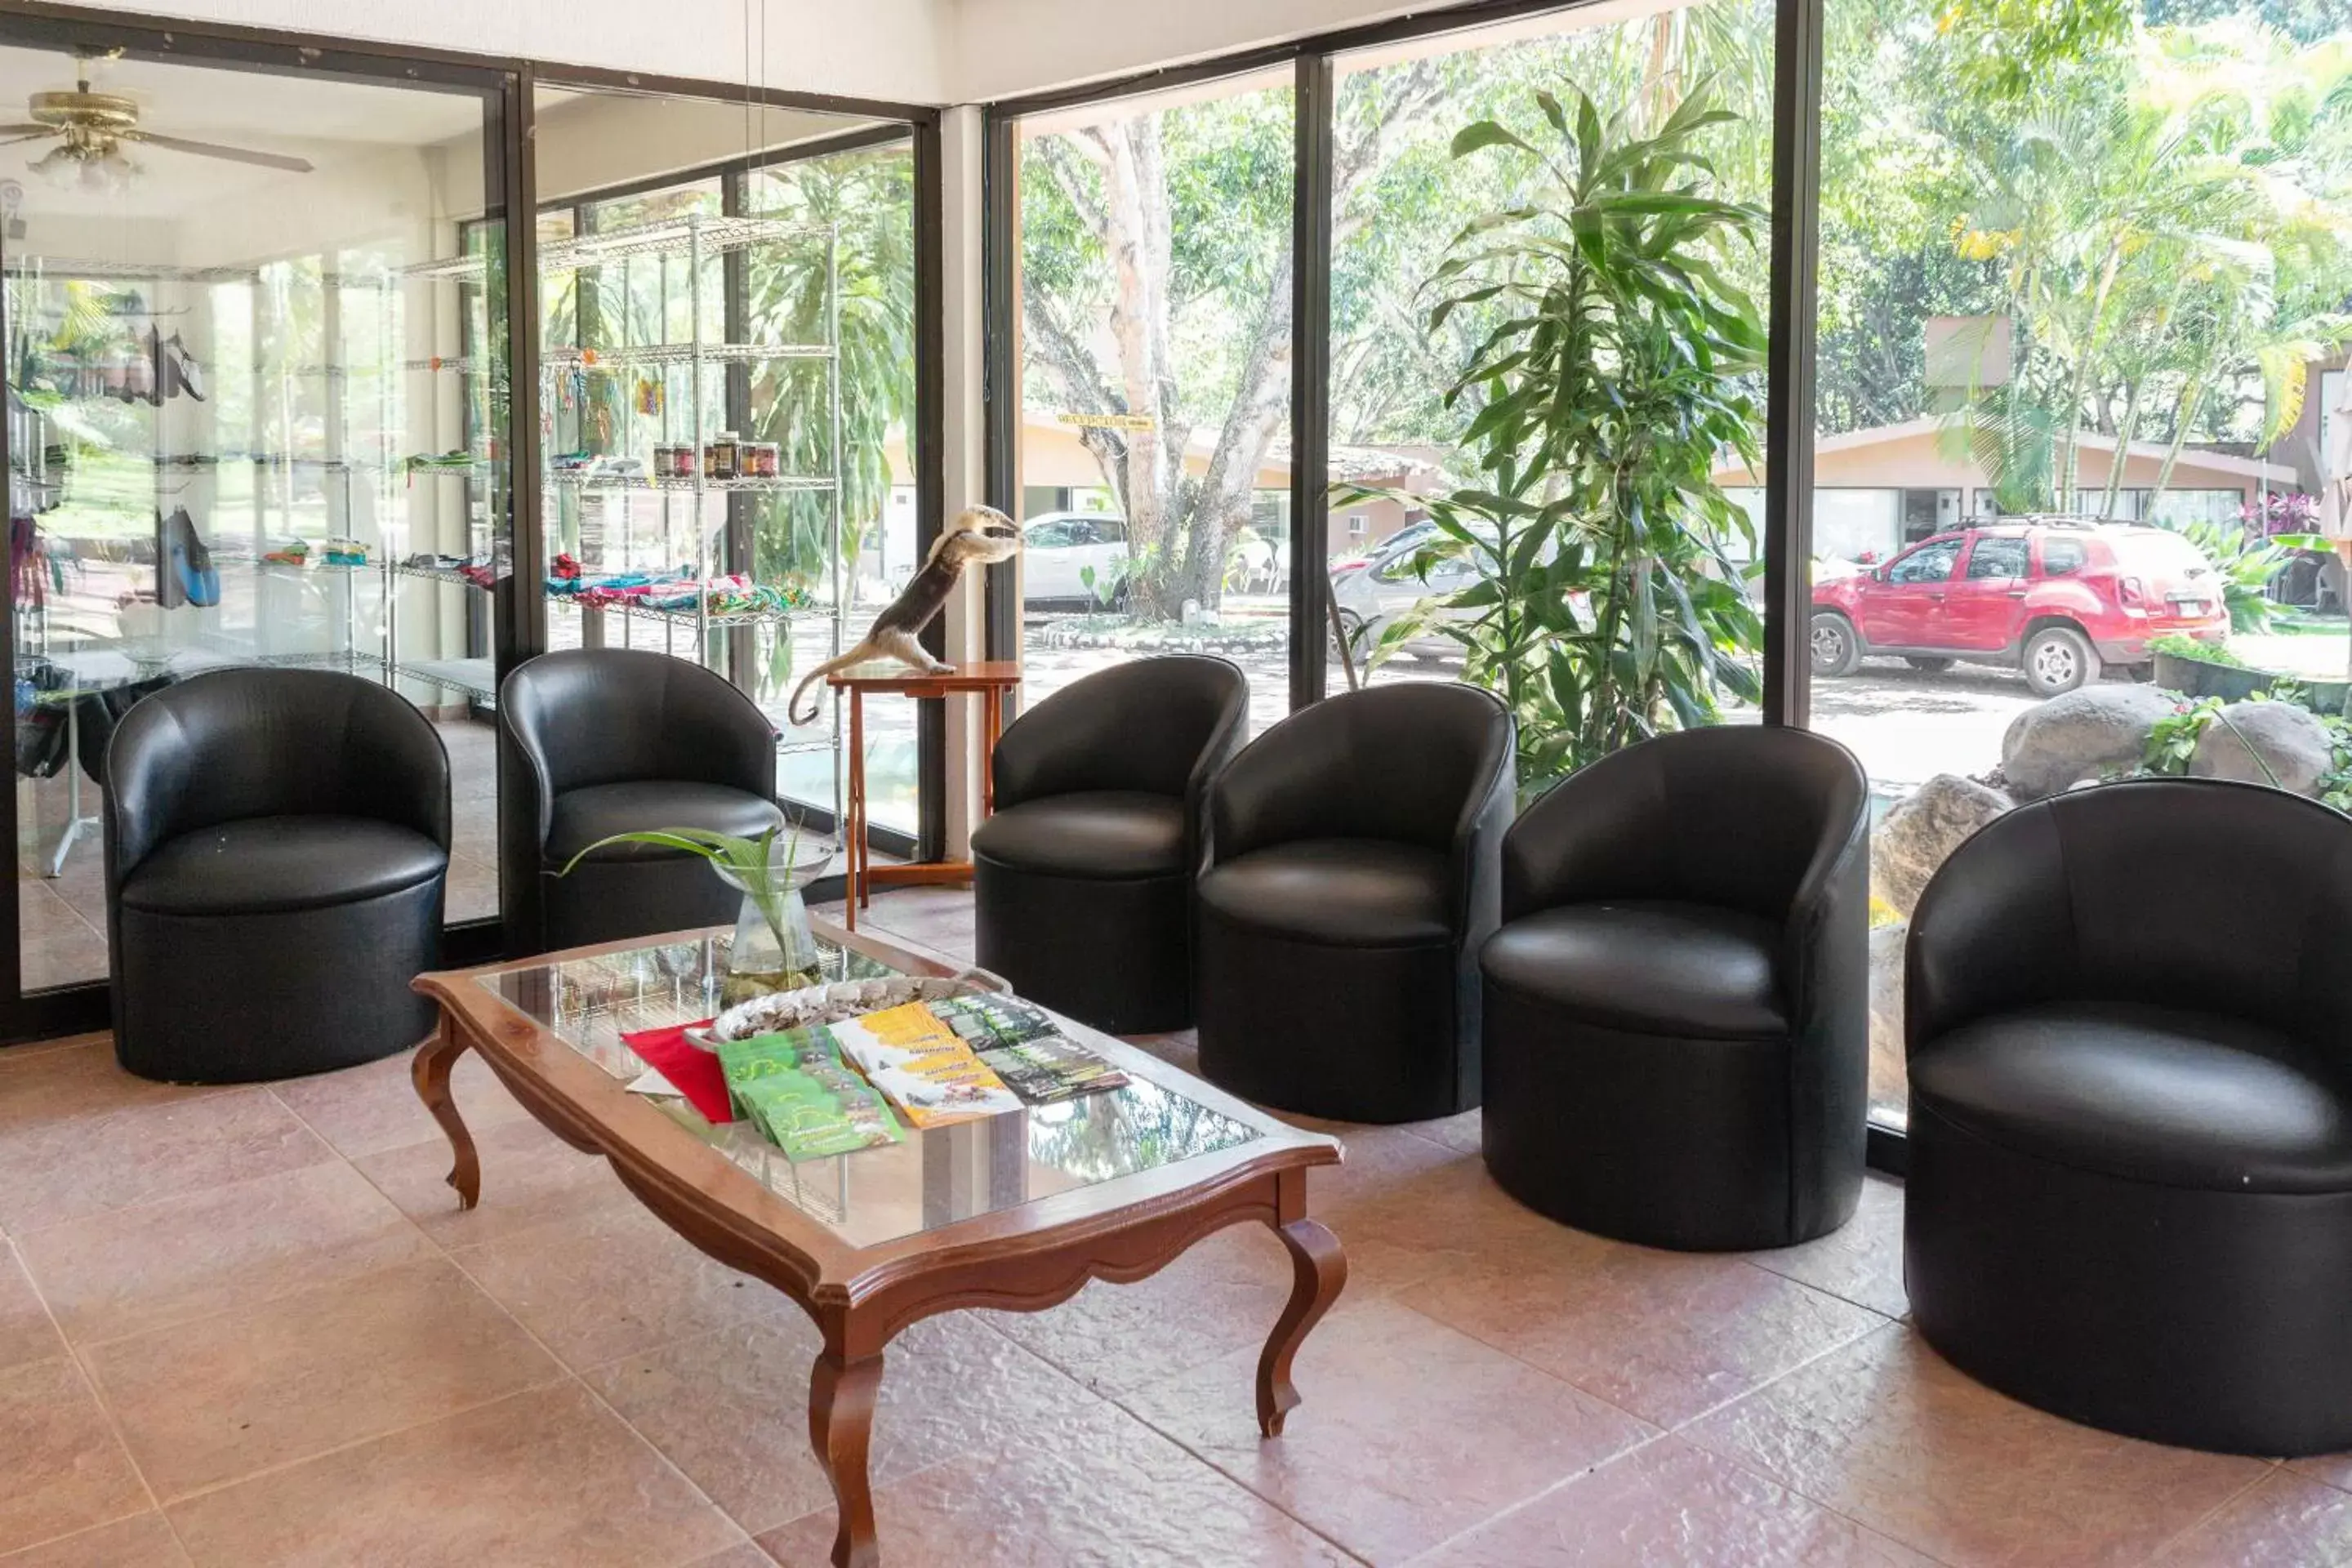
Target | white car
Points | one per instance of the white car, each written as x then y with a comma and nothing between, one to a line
1372,594
1060,550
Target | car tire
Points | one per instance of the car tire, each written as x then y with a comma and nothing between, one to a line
2058,660
1933,663
1836,649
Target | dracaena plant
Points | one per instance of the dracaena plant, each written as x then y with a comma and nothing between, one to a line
1616,378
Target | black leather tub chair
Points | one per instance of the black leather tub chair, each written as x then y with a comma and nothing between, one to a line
276,850
618,741
1083,878
1677,1004
1354,857
2129,1019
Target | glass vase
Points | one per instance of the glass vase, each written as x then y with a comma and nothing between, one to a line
773,950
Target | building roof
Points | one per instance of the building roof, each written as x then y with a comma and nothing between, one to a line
2202,458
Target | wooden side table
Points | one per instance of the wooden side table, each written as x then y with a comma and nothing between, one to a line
991,679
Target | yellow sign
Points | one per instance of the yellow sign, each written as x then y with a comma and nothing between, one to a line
1107,421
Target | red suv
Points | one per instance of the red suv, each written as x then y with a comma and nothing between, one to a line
2058,600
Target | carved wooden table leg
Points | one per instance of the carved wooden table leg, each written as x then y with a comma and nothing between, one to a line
431,1072
1318,1270
841,1420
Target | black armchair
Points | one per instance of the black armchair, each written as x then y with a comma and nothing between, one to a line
1677,1003
276,850
2130,1189
1083,878
1353,872
605,741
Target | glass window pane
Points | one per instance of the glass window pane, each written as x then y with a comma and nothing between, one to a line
2067,272
1447,445
1156,277
237,397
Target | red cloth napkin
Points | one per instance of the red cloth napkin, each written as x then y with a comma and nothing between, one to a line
694,1074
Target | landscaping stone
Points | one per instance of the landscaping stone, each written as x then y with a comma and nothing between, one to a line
1886,1055
2286,736
2083,735
1919,831
1132,633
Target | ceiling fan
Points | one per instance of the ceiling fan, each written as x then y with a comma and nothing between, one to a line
94,126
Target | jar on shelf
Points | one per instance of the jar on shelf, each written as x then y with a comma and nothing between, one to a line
665,462
720,459
772,457
682,461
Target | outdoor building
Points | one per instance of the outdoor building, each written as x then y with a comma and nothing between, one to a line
1878,489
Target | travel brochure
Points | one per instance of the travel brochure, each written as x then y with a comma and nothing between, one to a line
831,1088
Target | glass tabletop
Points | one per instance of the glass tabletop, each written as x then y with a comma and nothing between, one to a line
931,1178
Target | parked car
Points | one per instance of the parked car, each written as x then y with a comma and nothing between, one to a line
1391,581
2060,600
1060,549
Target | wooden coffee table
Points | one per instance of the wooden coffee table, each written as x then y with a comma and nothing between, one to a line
1013,1212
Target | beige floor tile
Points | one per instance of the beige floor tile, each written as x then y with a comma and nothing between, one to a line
530,1177
1465,1132
1379,1160
473,890
26,1334
44,1088
545,1479
142,1540
63,1170
373,1108
1445,1222
1102,1491
1889,1434
2281,1521
749,1554
1861,1260
1409,1432
730,1409
614,1283
226,1248
1665,1335
61,1469
1223,1296
1669,1505
205,1403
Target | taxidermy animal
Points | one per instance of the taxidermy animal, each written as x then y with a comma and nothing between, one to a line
982,534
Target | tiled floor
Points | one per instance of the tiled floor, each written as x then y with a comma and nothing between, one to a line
249,1327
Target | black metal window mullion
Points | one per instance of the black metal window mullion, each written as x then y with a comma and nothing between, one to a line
929,440
1000,327
1790,362
1312,107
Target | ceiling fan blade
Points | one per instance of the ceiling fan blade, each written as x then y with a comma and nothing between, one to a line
19,132
231,154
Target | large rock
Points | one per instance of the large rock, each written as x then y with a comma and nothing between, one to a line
1887,1060
2084,734
2292,746
1919,831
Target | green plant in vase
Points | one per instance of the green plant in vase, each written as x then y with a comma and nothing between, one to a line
773,948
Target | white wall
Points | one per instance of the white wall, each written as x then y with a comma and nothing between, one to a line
1002,48
877,48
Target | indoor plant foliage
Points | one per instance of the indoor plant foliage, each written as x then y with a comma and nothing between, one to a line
774,949
1607,607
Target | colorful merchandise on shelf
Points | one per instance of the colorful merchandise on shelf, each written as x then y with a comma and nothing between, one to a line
297,553
346,552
